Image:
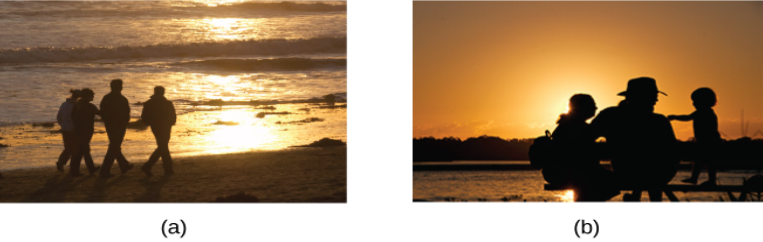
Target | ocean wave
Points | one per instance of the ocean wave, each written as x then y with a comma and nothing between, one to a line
131,9
211,49
287,6
276,64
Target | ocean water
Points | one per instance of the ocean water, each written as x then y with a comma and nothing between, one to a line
527,185
281,53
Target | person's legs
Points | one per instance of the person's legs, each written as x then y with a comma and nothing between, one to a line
655,195
597,185
86,153
108,160
78,153
74,165
70,147
162,141
634,196
124,165
154,156
712,171
116,136
695,170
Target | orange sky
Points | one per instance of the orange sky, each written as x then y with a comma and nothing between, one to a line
508,68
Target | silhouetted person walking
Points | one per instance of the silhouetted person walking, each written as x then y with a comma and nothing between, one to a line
83,116
706,133
642,142
115,112
159,113
64,119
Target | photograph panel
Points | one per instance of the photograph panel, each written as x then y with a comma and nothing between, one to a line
587,101
173,101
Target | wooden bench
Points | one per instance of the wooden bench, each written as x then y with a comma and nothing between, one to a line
668,190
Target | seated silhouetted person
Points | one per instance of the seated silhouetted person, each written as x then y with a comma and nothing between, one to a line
576,162
115,112
159,113
642,142
706,133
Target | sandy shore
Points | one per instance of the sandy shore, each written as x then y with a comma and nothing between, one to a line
293,175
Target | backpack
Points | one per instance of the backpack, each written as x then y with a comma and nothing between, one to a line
541,151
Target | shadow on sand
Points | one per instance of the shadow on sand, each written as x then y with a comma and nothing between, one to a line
153,189
99,189
55,189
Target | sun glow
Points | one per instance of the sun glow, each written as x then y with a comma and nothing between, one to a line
567,197
215,3
240,131
567,107
221,29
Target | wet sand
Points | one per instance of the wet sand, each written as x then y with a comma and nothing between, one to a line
292,175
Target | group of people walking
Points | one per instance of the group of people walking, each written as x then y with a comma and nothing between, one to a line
642,144
76,116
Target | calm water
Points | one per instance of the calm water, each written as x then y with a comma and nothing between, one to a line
197,50
527,185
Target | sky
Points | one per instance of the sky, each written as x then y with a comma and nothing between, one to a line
508,69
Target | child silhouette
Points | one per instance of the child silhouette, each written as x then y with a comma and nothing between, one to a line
705,132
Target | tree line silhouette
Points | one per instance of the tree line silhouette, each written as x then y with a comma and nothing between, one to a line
479,148
741,153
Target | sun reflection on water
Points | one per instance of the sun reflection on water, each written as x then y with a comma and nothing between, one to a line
239,130
215,3
225,28
568,196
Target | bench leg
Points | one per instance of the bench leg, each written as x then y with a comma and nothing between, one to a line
742,196
671,196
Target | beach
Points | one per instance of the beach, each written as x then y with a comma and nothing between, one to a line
291,175
250,81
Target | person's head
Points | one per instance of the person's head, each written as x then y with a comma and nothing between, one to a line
582,105
116,85
642,92
75,93
87,94
704,98
159,91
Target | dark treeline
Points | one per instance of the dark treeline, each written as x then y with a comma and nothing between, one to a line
480,148
741,153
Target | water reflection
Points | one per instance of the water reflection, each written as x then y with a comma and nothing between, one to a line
236,128
240,131
215,3
567,196
256,28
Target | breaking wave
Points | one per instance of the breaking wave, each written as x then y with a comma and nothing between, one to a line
211,49
276,64
117,9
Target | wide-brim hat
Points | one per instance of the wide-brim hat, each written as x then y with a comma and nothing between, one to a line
641,86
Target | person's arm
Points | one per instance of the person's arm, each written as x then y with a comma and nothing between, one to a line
689,117
145,115
60,115
104,103
174,116
669,143
95,110
597,127
127,110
